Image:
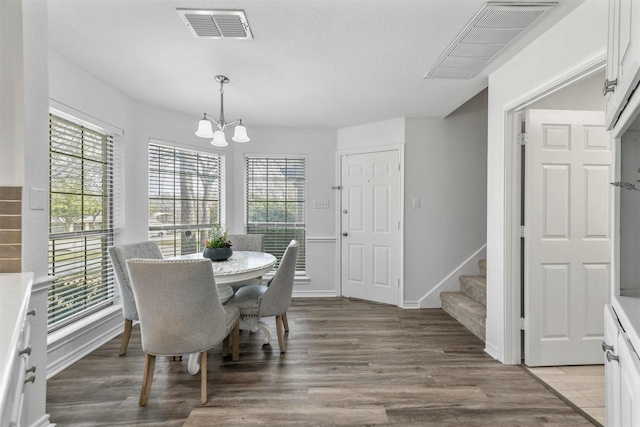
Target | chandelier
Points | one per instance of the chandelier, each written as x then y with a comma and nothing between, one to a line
205,130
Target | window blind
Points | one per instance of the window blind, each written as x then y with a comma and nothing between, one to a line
276,203
186,197
81,180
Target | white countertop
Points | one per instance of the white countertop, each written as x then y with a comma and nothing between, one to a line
15,290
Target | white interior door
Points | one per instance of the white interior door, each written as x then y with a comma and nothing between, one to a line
370,226
568,242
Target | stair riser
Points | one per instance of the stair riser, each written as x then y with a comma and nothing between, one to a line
477,294
474,322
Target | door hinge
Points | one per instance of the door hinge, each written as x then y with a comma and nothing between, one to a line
398,167
523,138
523,231
398,225
524,325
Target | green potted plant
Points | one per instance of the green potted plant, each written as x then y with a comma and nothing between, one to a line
217,247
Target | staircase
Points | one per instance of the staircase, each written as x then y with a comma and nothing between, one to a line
469,306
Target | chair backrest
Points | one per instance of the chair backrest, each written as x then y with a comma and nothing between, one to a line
119,255
247,242
178,303
277,298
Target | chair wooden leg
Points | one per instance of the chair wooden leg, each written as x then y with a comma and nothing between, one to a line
226,344
203,377
235,342
280,331
128,325
147,379
285,321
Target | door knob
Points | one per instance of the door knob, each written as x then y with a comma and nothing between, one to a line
345,234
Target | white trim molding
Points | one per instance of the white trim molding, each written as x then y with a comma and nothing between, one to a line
451,283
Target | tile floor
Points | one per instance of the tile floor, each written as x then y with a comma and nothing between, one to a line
581,385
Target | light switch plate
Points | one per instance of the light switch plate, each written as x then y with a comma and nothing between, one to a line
36,199
321,204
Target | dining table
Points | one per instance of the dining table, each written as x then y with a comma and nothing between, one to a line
242,265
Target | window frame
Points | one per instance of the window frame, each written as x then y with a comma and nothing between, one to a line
199,230
58,121
301,265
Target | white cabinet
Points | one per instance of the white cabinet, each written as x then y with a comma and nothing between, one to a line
622,375
16,368
623,56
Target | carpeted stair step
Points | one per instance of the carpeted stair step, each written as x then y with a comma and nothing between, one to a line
470,313
482,265
474,287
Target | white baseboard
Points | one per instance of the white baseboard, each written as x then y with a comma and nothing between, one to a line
43,422
451,283
491,350
64,348
314,294
411,305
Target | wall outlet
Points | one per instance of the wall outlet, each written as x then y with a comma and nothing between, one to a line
321,204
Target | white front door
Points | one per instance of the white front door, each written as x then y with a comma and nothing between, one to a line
370,222
567,238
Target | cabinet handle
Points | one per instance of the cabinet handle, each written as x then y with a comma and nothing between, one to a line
31,312
611,357
25,351
609,86
31,369
606,347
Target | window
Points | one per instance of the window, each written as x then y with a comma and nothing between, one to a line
185,197
276,200
81,220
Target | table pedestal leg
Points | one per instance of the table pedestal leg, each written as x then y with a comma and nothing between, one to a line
253,324
194,363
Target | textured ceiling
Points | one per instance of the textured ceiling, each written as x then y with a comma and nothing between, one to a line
312,63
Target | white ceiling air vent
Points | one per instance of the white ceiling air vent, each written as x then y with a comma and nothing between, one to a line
217,24
494,26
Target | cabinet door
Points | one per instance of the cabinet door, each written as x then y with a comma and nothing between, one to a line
611,368
623,56
629,384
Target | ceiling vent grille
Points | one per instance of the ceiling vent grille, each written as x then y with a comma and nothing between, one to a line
494,27
217,24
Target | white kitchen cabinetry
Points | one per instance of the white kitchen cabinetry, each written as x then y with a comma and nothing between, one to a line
16,370
623,57
622,374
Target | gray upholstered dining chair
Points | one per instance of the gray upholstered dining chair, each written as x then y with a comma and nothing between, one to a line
119,254
180,312
257,301
246,242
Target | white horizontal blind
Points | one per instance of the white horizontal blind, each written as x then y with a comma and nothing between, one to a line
276,203
186,194
81,180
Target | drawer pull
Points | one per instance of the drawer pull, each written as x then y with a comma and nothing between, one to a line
611,357
31,379
606,347
26,351
31,312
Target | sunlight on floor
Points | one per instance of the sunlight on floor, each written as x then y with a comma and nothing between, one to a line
582,385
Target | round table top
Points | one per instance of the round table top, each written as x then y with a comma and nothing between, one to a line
242,265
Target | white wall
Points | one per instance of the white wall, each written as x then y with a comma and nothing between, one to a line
445,167
580,34
11,95
318,146
584,95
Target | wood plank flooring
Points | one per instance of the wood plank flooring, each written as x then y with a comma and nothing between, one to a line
348,362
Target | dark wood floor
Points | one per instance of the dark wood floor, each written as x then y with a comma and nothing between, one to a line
347,363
